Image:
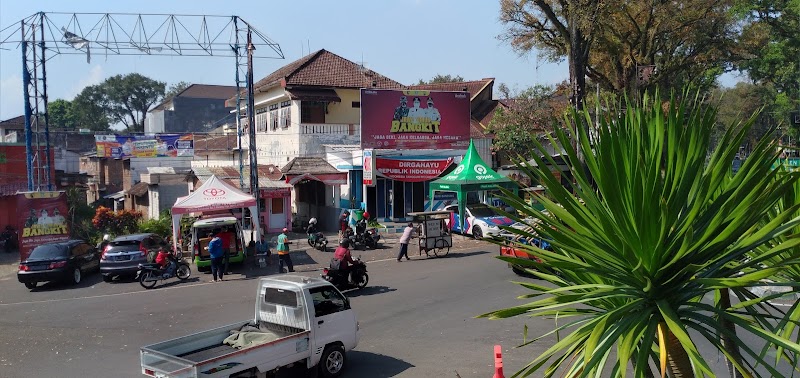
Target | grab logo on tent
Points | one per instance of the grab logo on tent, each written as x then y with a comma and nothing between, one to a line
479,169
458,170
214,192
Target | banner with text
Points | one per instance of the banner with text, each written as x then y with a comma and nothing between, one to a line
412,170
41,220
368,166
144,146
414,119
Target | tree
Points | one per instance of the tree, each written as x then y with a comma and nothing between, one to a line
61,114
89,109
771,42
524,115
127,99
439,78
623,45
748,98
663,226
176,88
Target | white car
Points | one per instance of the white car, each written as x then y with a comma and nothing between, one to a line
481,220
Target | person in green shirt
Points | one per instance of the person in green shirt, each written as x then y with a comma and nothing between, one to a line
283,252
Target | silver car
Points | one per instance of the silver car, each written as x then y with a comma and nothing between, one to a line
123,255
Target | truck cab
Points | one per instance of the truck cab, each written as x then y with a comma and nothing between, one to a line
298,320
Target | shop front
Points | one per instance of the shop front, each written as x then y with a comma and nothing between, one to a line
276,205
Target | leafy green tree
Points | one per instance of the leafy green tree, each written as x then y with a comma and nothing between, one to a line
636,254
771,41
439,78
61,114
176,88
624,45
127,99
747,98
89,111
523,116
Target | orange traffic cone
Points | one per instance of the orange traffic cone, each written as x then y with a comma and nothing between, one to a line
498,362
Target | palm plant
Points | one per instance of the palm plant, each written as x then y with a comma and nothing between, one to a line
660,224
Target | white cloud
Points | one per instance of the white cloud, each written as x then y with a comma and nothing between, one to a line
11,103
95,76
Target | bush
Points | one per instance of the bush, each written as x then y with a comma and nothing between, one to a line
116,223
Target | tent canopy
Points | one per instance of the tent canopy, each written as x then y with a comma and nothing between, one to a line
472,174
214,194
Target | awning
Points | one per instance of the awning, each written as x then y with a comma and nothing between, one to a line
323,95
139,189
325,178
118,196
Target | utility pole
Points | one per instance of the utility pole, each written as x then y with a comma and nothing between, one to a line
251,123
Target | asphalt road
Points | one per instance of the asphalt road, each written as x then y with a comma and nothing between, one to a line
417,320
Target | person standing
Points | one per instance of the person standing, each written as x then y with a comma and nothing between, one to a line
343,224
216,253
228,245
408,233
283,252
262,248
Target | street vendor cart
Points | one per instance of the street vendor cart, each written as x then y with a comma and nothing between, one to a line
434,236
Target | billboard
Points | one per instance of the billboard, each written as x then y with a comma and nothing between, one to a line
144,146
42,219
414,119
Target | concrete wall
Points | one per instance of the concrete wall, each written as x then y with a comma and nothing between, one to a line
344,112
67,161
220,160
139,165
154,122
163,196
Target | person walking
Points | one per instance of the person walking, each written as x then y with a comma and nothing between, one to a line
216,253
283,252
408,233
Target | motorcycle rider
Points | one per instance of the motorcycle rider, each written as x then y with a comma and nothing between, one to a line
103,243
164,260
342,254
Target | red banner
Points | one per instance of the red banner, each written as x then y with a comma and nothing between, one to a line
42,219
412,170
414,119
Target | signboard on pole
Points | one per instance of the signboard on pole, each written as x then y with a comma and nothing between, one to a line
369,167
41,220
414,119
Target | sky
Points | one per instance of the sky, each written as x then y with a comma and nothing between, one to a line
405,40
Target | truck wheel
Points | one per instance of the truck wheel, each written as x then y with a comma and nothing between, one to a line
333,361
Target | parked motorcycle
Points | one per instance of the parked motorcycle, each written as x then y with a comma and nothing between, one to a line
358,276
370,238
151,273
318,241
355,241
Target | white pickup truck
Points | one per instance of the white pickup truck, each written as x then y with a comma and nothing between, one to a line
297,320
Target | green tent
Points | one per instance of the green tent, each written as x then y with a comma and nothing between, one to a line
471,175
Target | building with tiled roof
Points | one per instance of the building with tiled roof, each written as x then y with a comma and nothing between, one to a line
198,108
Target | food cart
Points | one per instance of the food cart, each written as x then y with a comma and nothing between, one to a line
434,236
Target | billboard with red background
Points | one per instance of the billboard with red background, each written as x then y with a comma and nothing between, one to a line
42,219
414,119
412,170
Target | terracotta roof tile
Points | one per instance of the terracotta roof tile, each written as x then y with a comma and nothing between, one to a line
326,69
139,189
205,144
219,92
473,87
13,123
312,165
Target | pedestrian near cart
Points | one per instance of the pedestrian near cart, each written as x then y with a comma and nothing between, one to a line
408,233
216,253
283,252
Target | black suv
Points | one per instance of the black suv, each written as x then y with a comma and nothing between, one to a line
123,255
58,261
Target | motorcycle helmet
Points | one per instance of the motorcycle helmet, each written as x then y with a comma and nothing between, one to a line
345,243
106,237
366,215
312,221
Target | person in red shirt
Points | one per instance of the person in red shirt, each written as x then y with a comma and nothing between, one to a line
228,243
164,261
342,254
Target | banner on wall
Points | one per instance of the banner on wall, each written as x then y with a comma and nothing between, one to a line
368,167
408,170
144,146
414,119
42,219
